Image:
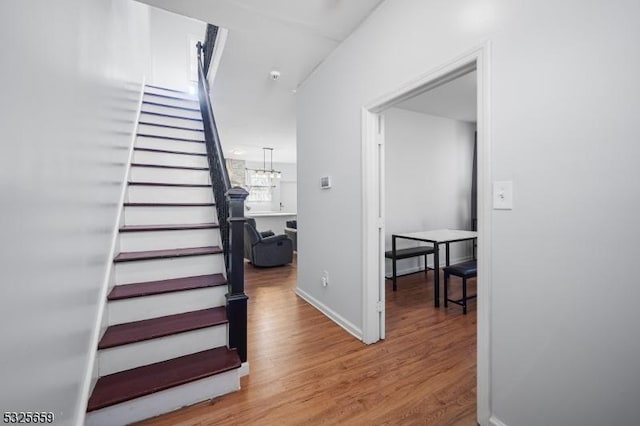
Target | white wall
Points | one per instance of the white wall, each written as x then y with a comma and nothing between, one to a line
71,79
289,195
428,169
170,48
565,342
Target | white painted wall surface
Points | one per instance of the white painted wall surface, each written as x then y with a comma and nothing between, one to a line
288,189
428,169
289,195
71,74
565,100
171,49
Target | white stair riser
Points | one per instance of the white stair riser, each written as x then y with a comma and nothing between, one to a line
169,215
178,92
163,175
169,194
147,307
170,101
171,111
164,269
181,93
165,401
160,240
170,132
169,159
126,357
170,121
170,145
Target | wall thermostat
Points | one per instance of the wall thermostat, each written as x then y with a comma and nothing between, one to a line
325,182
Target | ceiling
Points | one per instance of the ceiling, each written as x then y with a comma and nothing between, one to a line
291,36
456,100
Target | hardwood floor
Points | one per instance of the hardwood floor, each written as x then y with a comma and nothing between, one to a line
306,370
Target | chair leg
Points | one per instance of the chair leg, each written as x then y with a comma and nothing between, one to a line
395,278
464,295
446,289
426,268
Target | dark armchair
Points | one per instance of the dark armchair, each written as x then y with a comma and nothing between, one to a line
291,230
266,249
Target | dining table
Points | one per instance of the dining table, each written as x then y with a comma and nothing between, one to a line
435,237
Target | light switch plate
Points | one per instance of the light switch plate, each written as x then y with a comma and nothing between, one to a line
325,182
503,195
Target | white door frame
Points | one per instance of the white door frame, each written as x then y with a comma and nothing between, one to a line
373,283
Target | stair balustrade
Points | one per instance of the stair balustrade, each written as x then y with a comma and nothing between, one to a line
229,205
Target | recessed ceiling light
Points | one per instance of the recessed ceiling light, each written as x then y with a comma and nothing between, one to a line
275,74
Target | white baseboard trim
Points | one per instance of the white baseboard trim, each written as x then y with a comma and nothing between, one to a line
91,371
332,315
406,271
494,421
244,369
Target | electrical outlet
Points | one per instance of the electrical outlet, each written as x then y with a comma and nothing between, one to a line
325,278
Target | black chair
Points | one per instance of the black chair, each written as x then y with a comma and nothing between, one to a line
465,271
406,254
291,230
266,249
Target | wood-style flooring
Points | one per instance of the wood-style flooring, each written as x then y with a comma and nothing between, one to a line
306,370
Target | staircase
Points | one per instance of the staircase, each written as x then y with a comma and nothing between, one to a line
166,341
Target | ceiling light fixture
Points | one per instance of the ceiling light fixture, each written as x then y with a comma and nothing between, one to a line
270,172
275,74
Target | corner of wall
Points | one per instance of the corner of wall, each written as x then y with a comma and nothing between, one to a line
331,314
494,421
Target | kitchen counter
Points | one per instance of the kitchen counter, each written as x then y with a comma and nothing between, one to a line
269,214
274,221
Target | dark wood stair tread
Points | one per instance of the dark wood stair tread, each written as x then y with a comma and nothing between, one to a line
127,385
166,151
150,288
166,254
169,204
170,106
183,185
159,114
169,138
162,166
169,126
182,227
139,331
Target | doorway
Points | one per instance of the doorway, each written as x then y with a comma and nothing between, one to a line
373,205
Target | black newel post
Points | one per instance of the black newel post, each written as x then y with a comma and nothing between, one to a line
236,299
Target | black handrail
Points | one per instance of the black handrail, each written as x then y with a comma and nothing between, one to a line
217,165
230,207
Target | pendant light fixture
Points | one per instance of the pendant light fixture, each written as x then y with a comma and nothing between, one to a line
264,171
